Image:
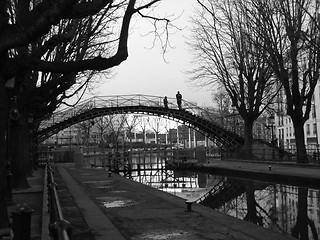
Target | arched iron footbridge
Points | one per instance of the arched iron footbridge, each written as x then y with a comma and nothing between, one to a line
195,117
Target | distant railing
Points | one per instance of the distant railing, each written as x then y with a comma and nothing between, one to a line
59,228
274,155
259,154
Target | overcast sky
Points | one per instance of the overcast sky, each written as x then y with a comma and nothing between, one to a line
146,72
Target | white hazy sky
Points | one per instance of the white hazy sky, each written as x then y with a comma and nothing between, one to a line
146,72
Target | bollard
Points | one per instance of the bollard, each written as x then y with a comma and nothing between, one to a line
269,167
189,203
5,234
21,222
109,173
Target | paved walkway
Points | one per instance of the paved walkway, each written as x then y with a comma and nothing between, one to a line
98,222
118,208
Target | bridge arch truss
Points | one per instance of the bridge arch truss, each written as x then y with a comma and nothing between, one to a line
191,115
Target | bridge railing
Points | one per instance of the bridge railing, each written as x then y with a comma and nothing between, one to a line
122,100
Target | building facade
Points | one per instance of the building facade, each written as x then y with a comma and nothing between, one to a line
284,130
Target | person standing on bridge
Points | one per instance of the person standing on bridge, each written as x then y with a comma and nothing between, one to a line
179,99
165,102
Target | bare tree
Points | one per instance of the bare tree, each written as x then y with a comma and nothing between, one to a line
102,125
222,103
131,123
84,129
290,33
156,124
227,51
39,60
116,126
143,123
45,92
167,128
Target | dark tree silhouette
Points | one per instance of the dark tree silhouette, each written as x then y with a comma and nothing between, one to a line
300,230
48,51
290,33
228,52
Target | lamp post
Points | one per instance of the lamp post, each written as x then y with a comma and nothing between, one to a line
270,125
234,117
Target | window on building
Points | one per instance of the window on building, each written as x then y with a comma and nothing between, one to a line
308,129
287,132
314,128
290,133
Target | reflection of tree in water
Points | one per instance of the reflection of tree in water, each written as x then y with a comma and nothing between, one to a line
244,206
256,205
300,230
268,205
252,213
259,205
236,207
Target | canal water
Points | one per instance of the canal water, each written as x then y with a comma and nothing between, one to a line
284,208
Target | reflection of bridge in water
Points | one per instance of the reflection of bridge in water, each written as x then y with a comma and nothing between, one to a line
195,117
222,193
151,168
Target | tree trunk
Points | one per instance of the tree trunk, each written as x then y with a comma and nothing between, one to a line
19,153
248,139
31,152
251,215
300,143
4,220
300,230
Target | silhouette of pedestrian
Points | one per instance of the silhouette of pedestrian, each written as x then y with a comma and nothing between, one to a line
165,102
179,99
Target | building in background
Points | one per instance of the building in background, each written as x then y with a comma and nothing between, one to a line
284,130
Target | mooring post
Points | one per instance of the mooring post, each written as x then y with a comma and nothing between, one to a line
189,203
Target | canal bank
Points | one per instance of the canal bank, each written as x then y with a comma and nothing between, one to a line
273,172
118,208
